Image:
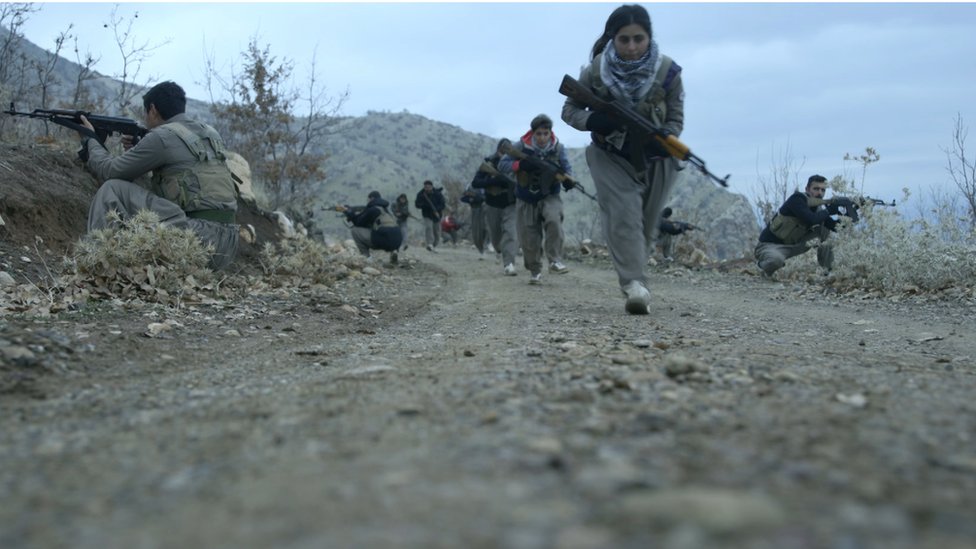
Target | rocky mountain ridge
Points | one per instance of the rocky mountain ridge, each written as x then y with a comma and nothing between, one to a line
395,152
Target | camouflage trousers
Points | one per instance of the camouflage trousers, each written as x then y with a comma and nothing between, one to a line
478,227
630,208
127,199
432,232
771,257
503,232
540,228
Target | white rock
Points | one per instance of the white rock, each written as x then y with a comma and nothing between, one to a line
856,400
155,329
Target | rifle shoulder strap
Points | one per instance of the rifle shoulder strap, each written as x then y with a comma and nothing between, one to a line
663,79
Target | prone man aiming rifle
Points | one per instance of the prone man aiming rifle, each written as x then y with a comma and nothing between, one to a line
104,125
564,178
629,117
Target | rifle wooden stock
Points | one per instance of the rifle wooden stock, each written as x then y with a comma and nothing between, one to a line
627,116
487,168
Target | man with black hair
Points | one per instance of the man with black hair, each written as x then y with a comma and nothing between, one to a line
499,189
539,208
373,226
431,203
191,186
804,216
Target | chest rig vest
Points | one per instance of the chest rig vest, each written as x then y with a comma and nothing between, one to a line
654,107
385,219
541,182
790,229
205,189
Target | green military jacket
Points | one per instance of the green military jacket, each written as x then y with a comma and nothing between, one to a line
187,162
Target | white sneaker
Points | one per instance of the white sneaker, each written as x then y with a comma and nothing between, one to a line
638,298
558,267
536,278
510,270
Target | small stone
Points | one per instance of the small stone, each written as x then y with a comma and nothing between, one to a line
371,271
715,510
157,329
679,365
545,445
18,355
6,279
856,400
643,343
468,352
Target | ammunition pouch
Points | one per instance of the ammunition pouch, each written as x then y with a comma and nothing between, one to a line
788,229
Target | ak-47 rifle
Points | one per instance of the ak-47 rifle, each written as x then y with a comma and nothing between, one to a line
487,168
847,205
561,175
865,200
104,125
629,117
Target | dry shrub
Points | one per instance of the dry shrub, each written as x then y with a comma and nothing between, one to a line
887,254
892,255
142,258
301,261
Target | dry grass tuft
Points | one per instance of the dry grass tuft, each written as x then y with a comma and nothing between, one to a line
887,255
142,258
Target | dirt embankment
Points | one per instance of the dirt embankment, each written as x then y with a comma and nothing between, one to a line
441,404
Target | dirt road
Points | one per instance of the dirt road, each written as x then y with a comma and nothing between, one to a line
444,405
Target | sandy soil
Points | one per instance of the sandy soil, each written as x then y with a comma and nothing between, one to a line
441,404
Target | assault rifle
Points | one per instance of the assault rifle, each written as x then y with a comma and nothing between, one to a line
561,175
487,168
627,116
104,125
850,204
866,200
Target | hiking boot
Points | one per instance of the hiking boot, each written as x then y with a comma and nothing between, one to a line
510,270
558,267
248,234
638,298
536,278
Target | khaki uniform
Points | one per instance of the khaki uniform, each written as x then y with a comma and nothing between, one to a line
191,186
631,189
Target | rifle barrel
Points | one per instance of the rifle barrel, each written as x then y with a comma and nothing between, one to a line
571,88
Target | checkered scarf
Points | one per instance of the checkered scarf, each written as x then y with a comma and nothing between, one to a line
629,81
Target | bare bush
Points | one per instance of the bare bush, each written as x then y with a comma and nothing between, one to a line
134,53
961,168
890,255
261,120
770,191
142,258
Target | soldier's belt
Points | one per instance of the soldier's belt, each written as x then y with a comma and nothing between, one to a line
217,216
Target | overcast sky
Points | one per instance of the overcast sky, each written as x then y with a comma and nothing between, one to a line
827,79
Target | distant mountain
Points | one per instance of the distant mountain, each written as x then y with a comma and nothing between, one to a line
395,152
